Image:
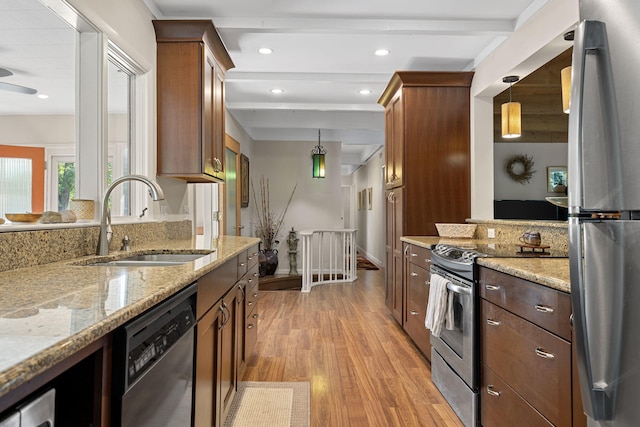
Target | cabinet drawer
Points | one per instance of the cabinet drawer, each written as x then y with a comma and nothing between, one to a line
501,406
419,256
535,363
243,263
213,285
539,304
251,299
417,288
252,256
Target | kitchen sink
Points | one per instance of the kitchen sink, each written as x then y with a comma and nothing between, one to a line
151,260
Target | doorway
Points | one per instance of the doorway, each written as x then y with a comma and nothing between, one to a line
231,217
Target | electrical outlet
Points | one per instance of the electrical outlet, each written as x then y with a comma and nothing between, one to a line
491,233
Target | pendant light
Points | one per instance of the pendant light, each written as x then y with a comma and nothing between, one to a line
565,80
511,113
317,156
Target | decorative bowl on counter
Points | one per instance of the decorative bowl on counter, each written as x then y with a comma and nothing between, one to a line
23,217
563,202
462,231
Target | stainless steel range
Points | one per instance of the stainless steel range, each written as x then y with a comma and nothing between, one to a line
454,354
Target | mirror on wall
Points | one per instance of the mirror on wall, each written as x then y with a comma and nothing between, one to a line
520,186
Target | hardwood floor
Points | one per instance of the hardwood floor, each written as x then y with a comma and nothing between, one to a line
363,369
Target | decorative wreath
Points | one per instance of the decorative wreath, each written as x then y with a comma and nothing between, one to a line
527,166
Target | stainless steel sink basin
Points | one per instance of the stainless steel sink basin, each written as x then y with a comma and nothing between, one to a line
151,260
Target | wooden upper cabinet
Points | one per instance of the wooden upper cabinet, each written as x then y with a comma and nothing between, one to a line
427,131
191,64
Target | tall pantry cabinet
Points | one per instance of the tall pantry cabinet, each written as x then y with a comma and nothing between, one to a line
427,132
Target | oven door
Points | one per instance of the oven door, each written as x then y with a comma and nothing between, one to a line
457,346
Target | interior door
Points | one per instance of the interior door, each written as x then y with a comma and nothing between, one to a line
231,218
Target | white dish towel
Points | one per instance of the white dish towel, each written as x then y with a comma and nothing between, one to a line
438,305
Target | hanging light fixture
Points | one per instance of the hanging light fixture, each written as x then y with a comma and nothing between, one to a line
511,115
317,156
565,79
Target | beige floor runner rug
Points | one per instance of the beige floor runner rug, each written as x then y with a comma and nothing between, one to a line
270,404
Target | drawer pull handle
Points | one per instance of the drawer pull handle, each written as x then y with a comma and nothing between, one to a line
427,260
492,287
545,355
255,316
250,326
492,322
544,308
414,274
242,264
492,392
250,303
255,295
412,254
255,274
250,280
414,313
427,282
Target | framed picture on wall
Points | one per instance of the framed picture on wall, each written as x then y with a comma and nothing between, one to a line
369,196
557,179
244,181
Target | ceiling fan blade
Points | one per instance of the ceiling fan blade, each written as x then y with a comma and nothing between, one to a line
5,73
17,88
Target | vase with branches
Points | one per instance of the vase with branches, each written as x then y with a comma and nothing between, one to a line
268,226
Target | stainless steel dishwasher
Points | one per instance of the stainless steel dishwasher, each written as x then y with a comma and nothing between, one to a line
153,362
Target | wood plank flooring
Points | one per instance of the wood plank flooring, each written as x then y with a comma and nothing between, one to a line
363,369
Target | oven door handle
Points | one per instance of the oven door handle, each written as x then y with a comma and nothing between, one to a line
458,289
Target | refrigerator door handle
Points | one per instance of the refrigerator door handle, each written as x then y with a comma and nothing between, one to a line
591,39
598,397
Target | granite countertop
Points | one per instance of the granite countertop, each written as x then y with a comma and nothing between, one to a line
551,272
49,312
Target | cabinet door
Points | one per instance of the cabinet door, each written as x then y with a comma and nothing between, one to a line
228,351
398,140
394,141
417,291
206,396
395,258
218,137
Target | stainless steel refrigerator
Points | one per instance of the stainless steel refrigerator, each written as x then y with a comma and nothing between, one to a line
604,209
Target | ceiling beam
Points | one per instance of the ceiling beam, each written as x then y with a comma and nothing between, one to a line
462,27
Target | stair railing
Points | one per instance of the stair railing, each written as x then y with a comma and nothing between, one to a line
328,256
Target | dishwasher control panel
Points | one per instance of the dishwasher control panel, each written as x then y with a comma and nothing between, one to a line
142,356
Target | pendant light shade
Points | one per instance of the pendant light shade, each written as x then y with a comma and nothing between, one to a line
511,113
317,157
565,78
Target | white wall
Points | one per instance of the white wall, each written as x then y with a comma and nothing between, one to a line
543,155
316,203
530,46
235,131
371,223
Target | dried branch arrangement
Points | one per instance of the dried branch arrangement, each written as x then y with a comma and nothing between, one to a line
269,223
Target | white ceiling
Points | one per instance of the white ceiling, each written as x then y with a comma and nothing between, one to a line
323,54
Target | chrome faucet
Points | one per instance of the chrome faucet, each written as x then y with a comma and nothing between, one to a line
105,221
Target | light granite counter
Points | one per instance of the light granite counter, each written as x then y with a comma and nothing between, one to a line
551,272
49,312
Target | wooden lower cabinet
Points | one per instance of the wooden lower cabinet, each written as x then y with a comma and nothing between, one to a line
206,394
417,276
526,354
247,322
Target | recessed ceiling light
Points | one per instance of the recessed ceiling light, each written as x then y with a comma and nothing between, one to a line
265,50
277,91
382,52
364,92
42,96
